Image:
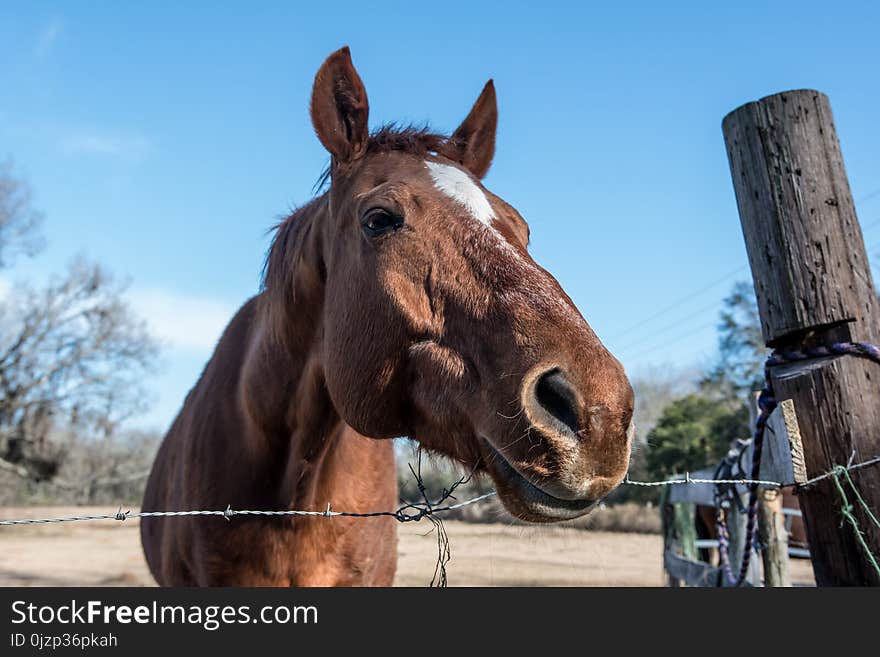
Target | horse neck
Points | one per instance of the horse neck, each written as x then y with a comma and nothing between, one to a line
292,418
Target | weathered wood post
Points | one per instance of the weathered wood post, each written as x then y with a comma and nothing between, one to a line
781,461
814,286
771,527
679,533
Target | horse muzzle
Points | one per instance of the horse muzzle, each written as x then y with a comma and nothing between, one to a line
573,451
525,499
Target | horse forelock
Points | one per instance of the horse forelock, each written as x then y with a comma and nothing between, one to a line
416,140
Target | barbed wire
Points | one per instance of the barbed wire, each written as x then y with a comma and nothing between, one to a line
402,514
696,480
848,468
757,482
415,511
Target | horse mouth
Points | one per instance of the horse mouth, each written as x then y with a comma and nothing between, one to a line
526,500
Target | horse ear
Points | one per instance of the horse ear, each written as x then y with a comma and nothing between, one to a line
339,108
473,142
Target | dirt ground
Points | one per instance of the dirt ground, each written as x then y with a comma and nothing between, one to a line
108,553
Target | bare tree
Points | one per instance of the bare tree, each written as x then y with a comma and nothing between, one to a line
72,354
19,222
95,470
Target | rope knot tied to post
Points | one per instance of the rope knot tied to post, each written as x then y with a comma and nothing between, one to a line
766,405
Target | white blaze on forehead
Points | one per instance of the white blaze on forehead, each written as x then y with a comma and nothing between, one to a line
459,186
534,286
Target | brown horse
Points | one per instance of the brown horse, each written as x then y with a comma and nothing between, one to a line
402,301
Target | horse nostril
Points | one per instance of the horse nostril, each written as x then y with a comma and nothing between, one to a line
555,395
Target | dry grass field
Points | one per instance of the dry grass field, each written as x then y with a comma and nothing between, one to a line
108,553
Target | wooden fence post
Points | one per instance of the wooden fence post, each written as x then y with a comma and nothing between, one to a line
771,527
814,286
679,533
782,461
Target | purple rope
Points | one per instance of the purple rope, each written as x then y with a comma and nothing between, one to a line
766,404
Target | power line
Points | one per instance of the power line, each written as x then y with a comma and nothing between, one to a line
657,346
869,196
678,338
675,340
681,301
669,327
873,224
685,299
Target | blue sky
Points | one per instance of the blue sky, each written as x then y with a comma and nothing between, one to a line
164,141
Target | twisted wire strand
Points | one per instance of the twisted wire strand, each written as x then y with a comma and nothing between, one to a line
848,515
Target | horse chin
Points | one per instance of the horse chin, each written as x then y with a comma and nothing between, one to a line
525,500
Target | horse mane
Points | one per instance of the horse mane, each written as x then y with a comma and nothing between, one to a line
284,255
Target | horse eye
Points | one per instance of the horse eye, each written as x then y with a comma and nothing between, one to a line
379,221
